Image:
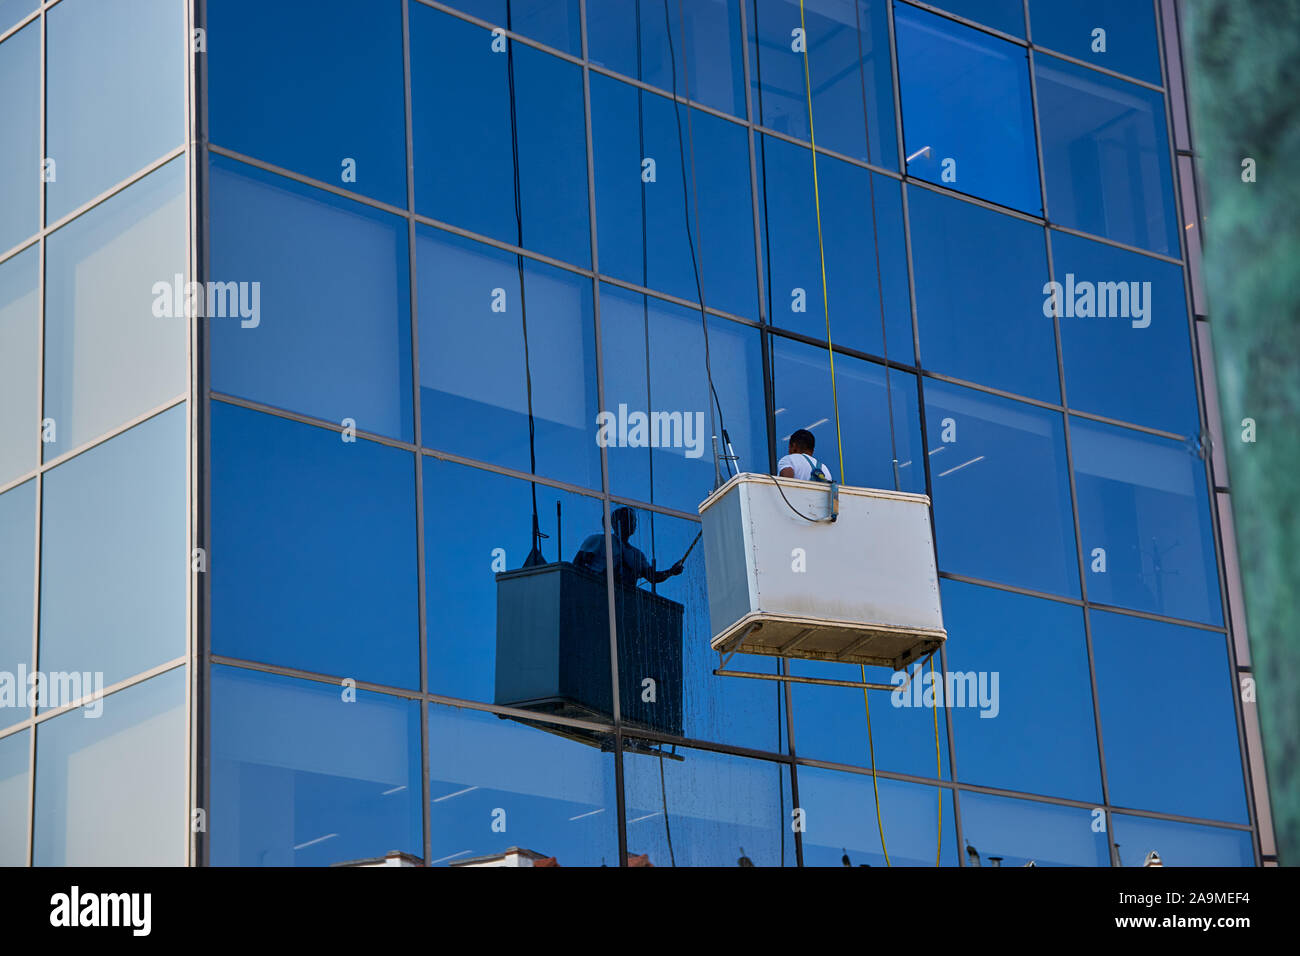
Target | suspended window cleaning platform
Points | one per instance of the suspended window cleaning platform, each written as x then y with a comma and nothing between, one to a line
823,572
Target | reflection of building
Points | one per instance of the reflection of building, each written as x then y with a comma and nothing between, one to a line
515,856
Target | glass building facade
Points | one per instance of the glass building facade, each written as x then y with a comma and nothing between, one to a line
309,318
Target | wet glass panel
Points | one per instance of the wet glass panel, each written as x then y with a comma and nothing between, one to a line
553,22
347,125
1179,844
1005,15
310,301
849,64
500,785
1001,490
967,119
313,549
1144,514
20,396
20,150
111,107
507,359
116,337
512,166
17,589
15,754
1127,43
1171,745
643,207
1006,832
696,808
338,781
111,790
113,561
862,226
1106,156
979,296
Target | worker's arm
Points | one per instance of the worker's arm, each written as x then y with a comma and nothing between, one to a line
658,577
787,472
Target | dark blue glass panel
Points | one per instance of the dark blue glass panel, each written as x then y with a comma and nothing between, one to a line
485,333
1124,335
804,399
979,301
495,785
669,465
553,22
337,780
324,289
20,150
347,125
337,519
1144,505
113,561
632,37
696,808
967,119
470,610
643,224
849,63
1005,15
862,224
1033,729
110,790
1007,832
1001,490
17,583
465,151
15,754
839,813
1179,844
115,106
1106,156
1172,746
20,359
1128,44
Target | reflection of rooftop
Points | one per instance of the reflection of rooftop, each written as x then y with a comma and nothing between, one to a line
515,856
392,858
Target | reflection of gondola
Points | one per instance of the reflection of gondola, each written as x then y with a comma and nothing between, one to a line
553,651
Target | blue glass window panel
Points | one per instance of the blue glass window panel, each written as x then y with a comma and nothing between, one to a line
461,560
965,98
1131,46
840,819
11,11
1034,731
1124,365
677,475
474,367
861,214
352,108
17,588
553,22
979,299
340,518
111,790
336,781
966,111
1005,15
15,753
1022,830
706,47
1144,500
743,712
1179,844
330,335
113,560
111,107
849,63
712,807
464,168
643,225
558,795
1106,156
20,319
1001,490
20,150
1171,747
104,313
804,399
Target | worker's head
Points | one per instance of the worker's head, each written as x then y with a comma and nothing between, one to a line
624,523
802,442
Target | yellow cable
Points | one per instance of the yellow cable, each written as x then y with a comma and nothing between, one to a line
938,765
867,704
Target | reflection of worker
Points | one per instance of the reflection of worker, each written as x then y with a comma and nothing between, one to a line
630,565
800,463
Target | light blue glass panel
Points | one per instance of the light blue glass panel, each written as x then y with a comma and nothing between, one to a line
1005,832
15,756
11,11
20,396
1178,844
20,148
17,588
